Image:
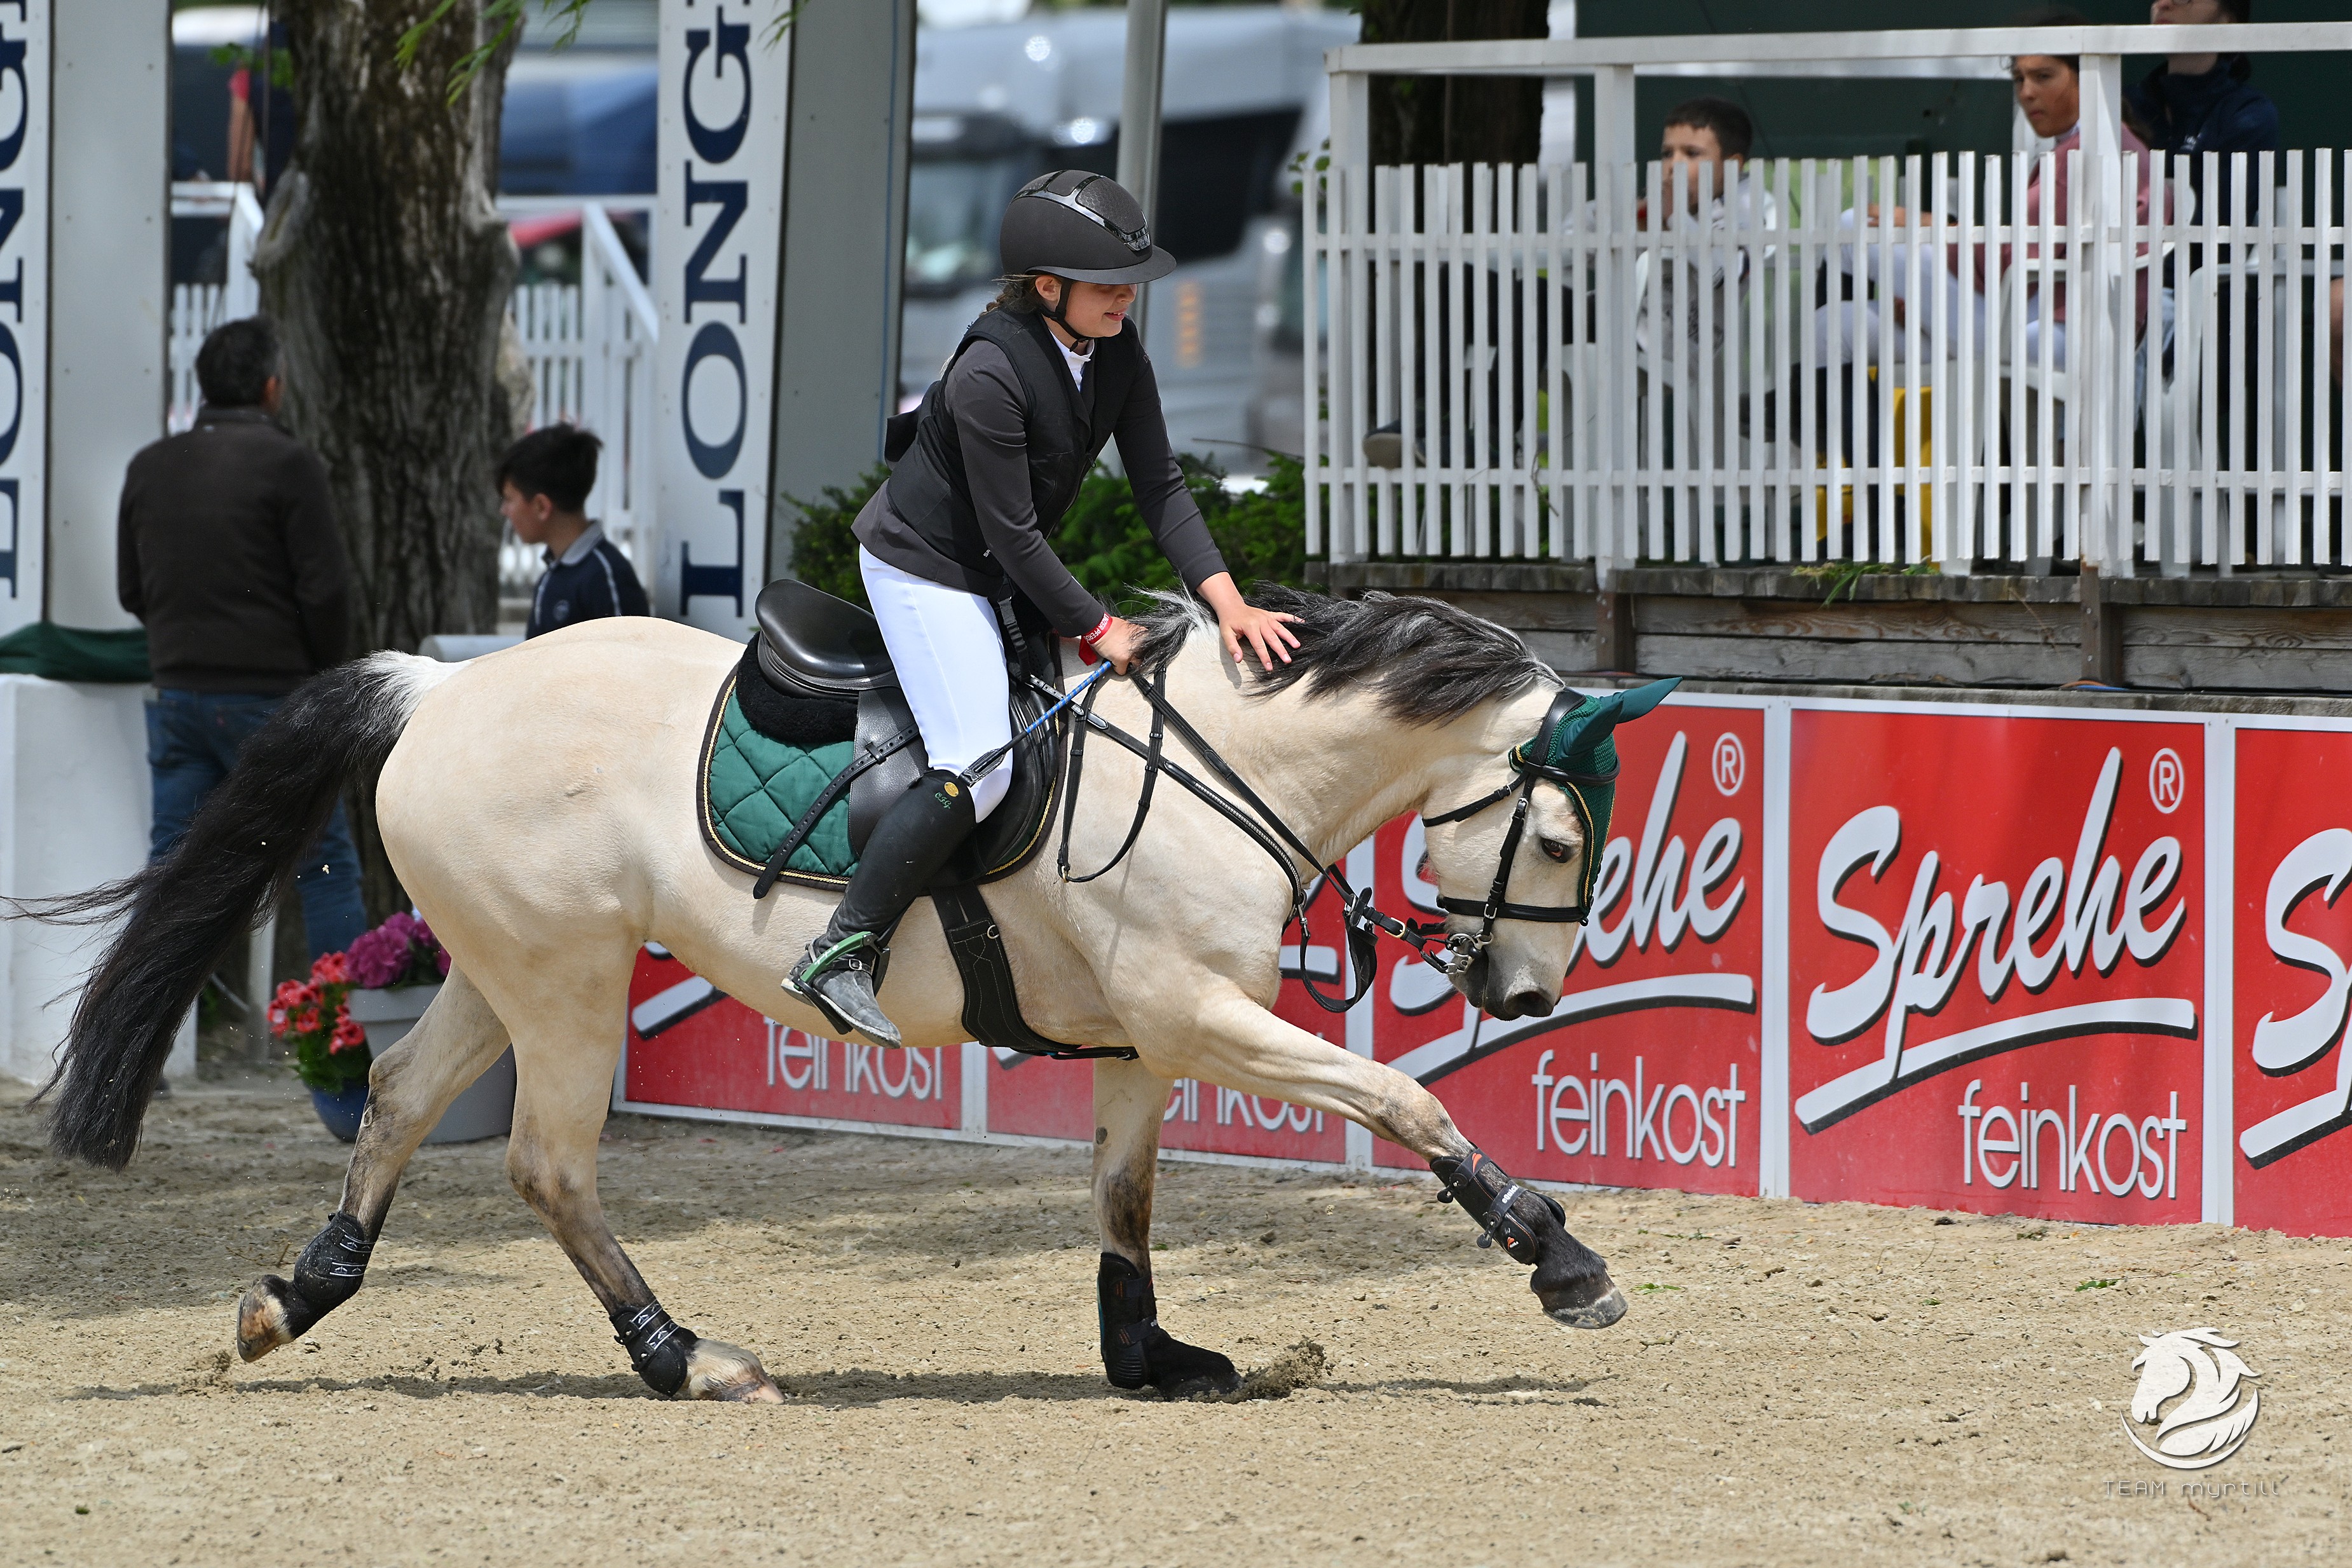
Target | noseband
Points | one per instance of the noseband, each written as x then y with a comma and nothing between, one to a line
1451,952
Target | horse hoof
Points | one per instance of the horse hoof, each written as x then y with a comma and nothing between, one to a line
1181,1371
1594,1314
262,1320
716,1371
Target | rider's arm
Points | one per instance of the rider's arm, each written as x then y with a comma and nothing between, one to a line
984,395
1167,506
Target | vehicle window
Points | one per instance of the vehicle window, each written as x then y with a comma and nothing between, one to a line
953,208
1217,174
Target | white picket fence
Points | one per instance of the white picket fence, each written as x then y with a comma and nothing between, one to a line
590,347
198,308
1516,365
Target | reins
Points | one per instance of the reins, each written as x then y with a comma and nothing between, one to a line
1454,952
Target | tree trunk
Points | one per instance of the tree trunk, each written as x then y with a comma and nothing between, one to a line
387,269
1455,120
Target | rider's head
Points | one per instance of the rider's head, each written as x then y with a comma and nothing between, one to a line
1075,246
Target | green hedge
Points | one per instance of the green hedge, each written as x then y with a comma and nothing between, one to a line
1102,537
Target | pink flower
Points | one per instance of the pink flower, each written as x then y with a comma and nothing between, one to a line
331,969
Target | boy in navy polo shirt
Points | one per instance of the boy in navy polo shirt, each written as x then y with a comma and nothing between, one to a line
543,483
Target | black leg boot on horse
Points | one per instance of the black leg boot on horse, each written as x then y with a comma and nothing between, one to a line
1570,1279
843,968
1137,1352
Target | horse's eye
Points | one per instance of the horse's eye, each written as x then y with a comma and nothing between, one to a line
1421,868
1554,850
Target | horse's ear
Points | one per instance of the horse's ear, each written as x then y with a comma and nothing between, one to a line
1642,699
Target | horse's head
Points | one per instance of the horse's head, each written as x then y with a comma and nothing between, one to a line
1514,862
2167,1367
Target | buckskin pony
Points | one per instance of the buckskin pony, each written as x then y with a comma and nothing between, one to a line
537,805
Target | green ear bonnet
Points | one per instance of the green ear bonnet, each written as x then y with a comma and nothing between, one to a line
1576,749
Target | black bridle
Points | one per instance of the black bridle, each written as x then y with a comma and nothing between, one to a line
1450,952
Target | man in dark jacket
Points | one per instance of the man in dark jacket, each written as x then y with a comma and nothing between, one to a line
226,549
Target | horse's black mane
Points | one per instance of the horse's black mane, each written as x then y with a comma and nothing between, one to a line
1426,661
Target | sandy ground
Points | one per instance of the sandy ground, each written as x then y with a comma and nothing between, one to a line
1795,1383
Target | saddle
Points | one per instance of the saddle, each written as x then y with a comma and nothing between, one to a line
816,679
811,741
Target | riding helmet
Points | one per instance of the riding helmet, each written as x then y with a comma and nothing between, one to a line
1081,227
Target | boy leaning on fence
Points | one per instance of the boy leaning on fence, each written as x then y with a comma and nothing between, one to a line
543,484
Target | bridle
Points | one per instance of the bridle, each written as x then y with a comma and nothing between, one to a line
1452,953
1528,773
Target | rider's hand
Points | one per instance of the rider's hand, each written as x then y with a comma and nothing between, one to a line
1119,643
1241,621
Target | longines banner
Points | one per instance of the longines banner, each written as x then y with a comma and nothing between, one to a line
24,306
2083,964
724,75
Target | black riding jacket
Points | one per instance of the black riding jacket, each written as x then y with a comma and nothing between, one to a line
1001,445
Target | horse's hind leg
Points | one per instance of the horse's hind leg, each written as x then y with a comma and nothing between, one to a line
1130,1103
408,1088
563,1088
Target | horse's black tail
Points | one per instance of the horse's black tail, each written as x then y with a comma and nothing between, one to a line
181,915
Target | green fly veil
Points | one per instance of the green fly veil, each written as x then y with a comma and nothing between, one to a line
1576,749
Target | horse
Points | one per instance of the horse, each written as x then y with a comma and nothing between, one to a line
537,806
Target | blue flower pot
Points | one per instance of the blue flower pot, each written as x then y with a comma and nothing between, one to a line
340,1114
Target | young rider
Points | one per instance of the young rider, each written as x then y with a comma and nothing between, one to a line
1046,376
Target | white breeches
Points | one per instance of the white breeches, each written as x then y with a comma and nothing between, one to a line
951,664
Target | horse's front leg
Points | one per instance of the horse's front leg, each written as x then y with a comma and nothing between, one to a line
1236,1043
1130,1103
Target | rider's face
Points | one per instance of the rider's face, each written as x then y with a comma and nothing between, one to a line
1097,309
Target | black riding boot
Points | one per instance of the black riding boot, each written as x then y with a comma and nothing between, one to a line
910,843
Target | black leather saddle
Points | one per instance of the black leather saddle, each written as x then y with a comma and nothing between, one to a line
813,645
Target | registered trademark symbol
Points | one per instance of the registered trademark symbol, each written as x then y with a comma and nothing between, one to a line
2168,781
1730,764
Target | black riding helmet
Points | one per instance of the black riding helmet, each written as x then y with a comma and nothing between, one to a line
1083,227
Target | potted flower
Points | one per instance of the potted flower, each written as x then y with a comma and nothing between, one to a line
330,1048
395,971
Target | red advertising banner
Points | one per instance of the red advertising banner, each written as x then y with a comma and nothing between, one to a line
690,1045
2291,1073
1647,1071
1995,962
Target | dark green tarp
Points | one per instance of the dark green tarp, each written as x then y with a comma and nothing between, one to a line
71,653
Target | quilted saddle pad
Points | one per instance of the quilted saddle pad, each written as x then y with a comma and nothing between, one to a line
754,789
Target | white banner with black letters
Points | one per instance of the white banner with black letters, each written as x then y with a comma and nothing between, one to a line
24,305
725,71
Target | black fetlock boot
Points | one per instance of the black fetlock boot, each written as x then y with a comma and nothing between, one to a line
1570,1279
844,965
1137,1352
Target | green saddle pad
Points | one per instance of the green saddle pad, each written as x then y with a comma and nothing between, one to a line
754,788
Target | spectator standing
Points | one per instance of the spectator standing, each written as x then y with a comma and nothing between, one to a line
226,550
543,484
